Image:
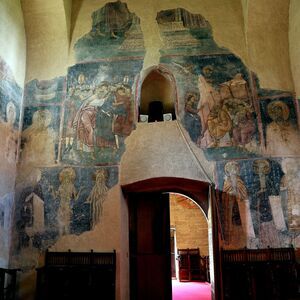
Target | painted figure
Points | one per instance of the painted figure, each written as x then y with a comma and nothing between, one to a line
191,119
282,138
39,138
290,191
11,136
123,113
263,188
84,122
97,196
66,194
243,126
209,96
237,217
219,125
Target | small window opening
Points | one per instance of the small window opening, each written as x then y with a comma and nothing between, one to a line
157,98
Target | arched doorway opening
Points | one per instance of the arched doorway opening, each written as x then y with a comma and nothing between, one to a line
149,233
189,249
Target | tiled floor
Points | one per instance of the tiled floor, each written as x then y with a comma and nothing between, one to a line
191,290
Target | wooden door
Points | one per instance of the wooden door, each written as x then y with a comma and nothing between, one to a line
149,237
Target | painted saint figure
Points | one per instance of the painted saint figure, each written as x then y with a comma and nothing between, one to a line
11,136
282,138
123,114
97,196
237,217
66,194
84,122
263,188
219,125
39,138
290,192
191,119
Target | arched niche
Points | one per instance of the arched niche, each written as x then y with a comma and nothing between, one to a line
157,96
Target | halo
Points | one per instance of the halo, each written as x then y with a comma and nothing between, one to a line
230,167
265,163
100,172
67,172
284,107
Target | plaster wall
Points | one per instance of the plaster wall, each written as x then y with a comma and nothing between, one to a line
13,40
48,39
157,149
268,44
294,42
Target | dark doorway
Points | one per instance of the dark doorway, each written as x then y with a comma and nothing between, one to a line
149,242
148,199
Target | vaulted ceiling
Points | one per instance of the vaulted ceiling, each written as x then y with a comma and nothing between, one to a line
262,33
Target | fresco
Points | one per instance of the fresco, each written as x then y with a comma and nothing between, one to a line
41,121
185,33
280,128
6,211
115,32
59,201
253,203
40,135
290,191
99,111
10,92
44,92
223,105
10,103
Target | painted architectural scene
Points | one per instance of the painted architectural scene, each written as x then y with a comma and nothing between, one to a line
99,111
43,92
185,33
254,204
115,32
60,201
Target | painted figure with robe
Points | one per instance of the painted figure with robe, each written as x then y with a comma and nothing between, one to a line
238,225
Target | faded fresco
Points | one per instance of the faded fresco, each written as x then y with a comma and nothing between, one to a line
43,92
235,122
290,191
58,201
41,122
220,102
253,204
6,213
217,97
10,106
182,31
99,111
280,126
115,32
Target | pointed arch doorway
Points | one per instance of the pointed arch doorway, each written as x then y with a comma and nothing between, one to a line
149,233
